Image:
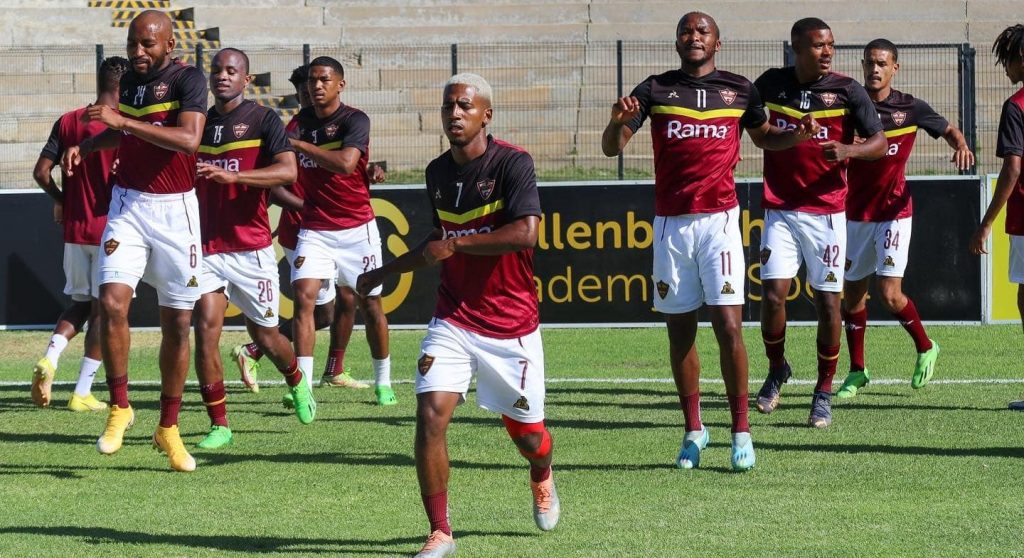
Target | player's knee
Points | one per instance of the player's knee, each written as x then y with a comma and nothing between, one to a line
532,439
175,324
112,307
892,297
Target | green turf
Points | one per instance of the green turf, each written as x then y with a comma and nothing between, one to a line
935,472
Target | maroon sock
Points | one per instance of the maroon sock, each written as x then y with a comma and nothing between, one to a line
539,474
828,357
335,362
437,512
856,323
775,349
215,400
292,374
253,351
119,391
169,408
691,411
911,321
738,406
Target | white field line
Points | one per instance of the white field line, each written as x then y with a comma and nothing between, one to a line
753,381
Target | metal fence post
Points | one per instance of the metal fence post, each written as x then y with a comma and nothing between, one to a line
967,95
305,54
455,58
619,93
99,58
199,57
788,55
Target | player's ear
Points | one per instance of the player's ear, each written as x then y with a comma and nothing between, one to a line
171,42
341,84
248,78
488,112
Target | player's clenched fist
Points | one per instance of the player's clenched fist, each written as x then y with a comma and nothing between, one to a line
835,151
807,128
625,109
71,158
437,250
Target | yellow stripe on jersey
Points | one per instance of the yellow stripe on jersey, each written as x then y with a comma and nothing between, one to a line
330,146
463,218
697,114
211,150
815,113
901,131
143,111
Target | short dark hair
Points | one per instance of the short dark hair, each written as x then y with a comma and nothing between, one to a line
710,19
245,57
882,44
801,27
1009,45
299,75
108,78
328,62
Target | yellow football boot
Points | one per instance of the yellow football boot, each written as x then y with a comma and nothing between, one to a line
118,421
42,381
86,404
168,440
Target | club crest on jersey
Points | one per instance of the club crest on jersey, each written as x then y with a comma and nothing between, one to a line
662,289
828,98
831,278
899,117
110,245
192,283
486,188
765,254
330,130
728,95
727,288
888,262
240,129
299,261
521,404
160,90
269,313
424,364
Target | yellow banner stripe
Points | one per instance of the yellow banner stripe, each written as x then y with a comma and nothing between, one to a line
143,111
463,218
901,131
211,150
817,113
696,114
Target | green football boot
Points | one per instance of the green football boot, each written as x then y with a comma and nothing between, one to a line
305,405
385,396
219,437
925,366
855,380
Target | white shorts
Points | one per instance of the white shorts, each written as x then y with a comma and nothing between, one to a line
794,237
326,292
877,247
250,281
155,238
697,259
1017,259
340,255
82,271
509,372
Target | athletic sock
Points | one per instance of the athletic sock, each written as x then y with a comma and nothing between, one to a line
169,409
215,400
691,411
253,350
57,345
382,371
539,474
828,357
306,366
775,349
292,374
856,326
436,506
738,408
909,319
86,375
335,362
118,391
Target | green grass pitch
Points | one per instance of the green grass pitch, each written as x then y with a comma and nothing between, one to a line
934,472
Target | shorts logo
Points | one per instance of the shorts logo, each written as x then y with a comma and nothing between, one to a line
424,364
240,129
160,90
765,254
828,98
486,188
662,289
110,245
521,404
299,261
192,283
888,262
331,130
728,95
849,264
831,278
269,313
899,117
727,289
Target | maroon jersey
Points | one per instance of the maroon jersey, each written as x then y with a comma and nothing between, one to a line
1011,142
490,295
334,201
233,217
85,194
158,99
696,127
290,222
878,189
799,178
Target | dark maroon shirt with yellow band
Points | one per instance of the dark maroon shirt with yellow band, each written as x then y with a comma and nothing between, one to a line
696,124
494,296
233,217
799,178
157,100
878,189
1011,142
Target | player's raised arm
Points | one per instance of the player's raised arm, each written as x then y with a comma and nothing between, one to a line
184,137
431,250
617,133
342,161
868,126
108,139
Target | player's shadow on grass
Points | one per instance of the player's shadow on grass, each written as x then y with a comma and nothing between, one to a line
70,472
1017,452
581,424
